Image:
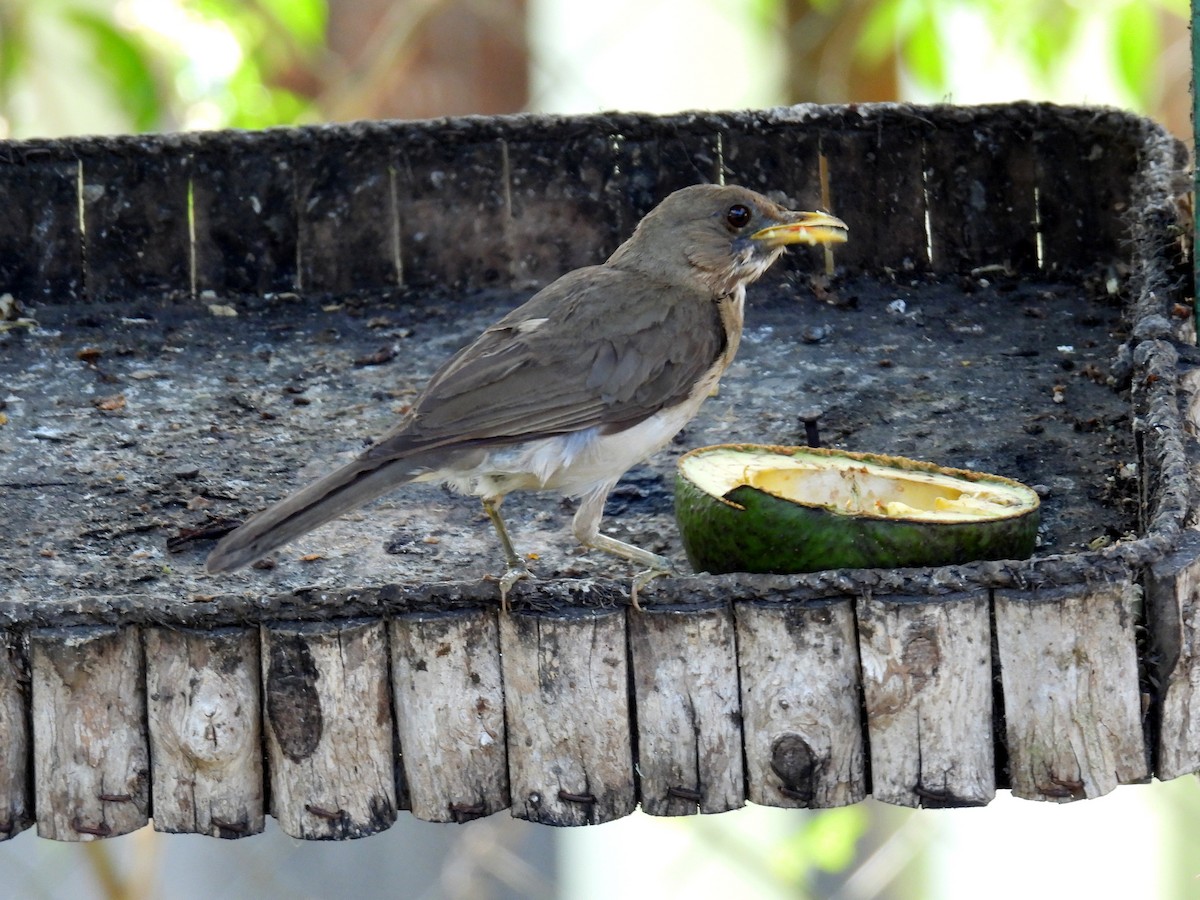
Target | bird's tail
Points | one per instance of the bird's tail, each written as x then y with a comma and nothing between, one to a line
356,483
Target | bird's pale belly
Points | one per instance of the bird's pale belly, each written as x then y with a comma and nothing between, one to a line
573,464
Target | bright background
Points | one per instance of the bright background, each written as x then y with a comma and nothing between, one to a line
90,66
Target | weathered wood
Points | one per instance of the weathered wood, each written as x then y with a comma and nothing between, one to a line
346,207
689,744
329,728
877,175
927,681
16,798
980,189
1072,704
204,710
559,198
1173,617
801,706
453,215
1172,593
450,713
244,213
135,223
41,248
91,760
570,760
1084,185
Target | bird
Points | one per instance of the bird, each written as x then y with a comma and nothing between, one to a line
589,377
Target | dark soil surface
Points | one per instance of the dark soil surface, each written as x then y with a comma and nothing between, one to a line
124,434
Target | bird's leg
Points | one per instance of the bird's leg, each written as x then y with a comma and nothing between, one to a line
517,570
587,530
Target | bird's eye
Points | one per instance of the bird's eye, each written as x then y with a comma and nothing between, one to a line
738,215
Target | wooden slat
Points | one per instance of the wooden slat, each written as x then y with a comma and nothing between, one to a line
980,181
41,248
566,690
876,187
1173,619
450,714
244,202
91,758
801,703
135,213
346,215
329,728
453,214
927,680
689,744
16,798
655,158
1072,703
204,709
559,197
1085,173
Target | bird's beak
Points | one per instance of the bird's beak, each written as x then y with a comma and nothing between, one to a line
804,228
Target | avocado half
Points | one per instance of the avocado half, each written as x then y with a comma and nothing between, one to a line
756,508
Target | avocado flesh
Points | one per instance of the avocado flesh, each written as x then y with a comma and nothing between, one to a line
776,509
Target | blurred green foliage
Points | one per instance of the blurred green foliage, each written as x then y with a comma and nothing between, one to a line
169,64
1038,32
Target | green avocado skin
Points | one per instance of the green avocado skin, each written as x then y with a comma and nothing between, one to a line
770,534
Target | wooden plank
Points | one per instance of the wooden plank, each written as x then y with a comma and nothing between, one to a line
329,728
244,204
1072,704
559,198
41,248
689,735
1086,167
927,680
980,185
346,214
876,186
450,713
570,757
135,214
91,760
1173,620
453,213
204,709
16,798
801,703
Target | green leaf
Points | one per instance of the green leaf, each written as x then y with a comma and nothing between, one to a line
126,64
1135,49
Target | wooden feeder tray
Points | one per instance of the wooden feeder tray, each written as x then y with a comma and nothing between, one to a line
197,324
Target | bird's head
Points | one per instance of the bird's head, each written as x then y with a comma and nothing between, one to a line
721,236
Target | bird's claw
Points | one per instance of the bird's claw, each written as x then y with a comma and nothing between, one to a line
641,579
514,573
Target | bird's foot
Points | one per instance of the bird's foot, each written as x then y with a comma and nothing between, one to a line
641,579
516,571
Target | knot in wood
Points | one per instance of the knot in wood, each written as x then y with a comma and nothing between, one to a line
794,761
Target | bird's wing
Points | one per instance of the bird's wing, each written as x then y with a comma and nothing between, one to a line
598,347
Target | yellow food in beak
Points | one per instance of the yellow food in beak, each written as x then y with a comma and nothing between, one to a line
807,228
